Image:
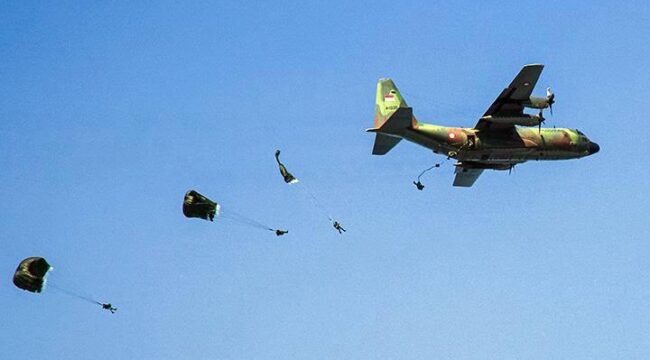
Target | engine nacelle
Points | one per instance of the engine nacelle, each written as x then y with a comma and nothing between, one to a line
524,120
536,102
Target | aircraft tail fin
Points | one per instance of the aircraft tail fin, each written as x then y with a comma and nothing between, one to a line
392,116
387,101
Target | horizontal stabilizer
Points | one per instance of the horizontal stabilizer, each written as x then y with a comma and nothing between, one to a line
383,144
466,177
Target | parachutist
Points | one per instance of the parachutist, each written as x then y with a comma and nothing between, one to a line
109,307
338,227
418,184
280,232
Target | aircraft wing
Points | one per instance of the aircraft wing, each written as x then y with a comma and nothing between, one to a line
510,102
466,177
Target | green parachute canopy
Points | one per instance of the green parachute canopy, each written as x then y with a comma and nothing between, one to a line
196,205
288,177
30,274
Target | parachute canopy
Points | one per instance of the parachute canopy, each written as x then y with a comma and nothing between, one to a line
288,177
30,274
196,205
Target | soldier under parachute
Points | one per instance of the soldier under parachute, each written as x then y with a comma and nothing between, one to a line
419,184
196,205
338,227
31,276
109,307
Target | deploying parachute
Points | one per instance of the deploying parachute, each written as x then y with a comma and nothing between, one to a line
30,274
196,205
288,177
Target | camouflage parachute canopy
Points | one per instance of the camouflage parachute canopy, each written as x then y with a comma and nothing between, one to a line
30,274
288,177
196,205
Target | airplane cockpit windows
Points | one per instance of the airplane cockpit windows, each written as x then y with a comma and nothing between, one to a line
581,136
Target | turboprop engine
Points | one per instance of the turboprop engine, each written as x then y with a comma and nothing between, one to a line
538,102
534,102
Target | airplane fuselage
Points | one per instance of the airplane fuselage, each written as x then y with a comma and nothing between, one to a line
500,150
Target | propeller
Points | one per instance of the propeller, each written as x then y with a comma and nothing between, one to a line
550,99
541,120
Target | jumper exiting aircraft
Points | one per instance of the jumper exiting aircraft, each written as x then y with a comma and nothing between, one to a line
503,137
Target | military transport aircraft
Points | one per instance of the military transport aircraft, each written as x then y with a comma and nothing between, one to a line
503,137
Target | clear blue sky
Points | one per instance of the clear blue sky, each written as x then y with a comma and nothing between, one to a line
110,112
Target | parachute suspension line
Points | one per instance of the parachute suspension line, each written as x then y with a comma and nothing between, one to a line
73,294
427,169
315,200
247,222
239,218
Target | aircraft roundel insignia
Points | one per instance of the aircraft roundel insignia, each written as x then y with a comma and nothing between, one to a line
452,135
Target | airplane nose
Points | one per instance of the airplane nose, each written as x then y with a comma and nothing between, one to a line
593,148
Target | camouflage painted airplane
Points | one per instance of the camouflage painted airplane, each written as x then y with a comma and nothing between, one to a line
503,137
